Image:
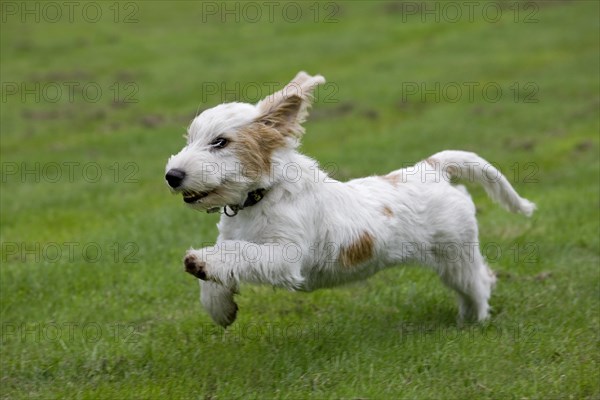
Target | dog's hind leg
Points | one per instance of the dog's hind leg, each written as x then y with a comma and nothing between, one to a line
473,281
218,302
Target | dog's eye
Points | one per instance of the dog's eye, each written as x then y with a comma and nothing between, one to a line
219,143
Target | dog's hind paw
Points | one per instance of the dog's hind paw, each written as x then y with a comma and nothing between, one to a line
194,266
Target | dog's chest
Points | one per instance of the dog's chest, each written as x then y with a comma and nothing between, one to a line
245,227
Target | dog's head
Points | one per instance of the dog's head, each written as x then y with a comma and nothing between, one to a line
230,147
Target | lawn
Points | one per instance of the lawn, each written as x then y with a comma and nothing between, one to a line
95,98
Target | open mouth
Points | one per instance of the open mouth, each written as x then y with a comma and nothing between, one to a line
194,197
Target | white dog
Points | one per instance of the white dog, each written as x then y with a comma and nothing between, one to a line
286,223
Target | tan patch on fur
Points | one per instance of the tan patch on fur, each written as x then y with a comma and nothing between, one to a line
388,211
392,179
254,146
451,170
431,161
358,251
284,114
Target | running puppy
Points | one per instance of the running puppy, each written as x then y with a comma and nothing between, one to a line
286,223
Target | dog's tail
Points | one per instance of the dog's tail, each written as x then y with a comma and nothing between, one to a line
466,165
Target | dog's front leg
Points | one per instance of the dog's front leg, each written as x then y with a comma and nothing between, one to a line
218,301
231,261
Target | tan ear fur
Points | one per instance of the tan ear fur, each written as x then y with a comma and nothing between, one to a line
286,109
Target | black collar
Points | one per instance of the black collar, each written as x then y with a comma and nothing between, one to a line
253,197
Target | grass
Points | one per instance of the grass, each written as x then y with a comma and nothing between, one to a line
126,322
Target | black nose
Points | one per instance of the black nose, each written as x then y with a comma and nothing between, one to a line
174,177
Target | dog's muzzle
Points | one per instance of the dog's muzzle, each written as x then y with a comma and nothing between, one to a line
175,179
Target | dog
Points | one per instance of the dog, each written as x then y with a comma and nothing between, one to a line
286,223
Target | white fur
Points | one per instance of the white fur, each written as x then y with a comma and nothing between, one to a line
294,238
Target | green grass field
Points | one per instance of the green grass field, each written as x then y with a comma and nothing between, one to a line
94,300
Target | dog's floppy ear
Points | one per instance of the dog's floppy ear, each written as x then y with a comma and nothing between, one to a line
287,109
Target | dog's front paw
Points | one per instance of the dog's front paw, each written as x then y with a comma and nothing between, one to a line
195,266
228,316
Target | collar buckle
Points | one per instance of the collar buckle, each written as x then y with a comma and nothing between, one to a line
234,211
252,198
